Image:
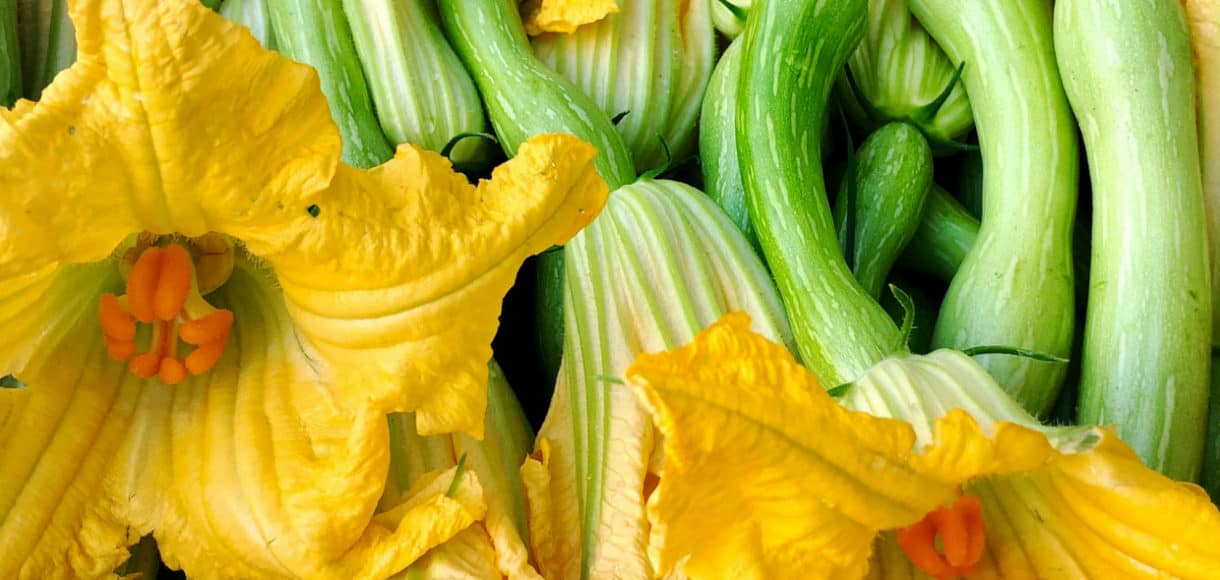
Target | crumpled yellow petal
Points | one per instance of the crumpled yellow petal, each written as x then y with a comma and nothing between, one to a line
747,430
171,120
564,16
467,555
409,311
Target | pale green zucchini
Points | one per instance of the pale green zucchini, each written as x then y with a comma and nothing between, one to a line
718,141
1128,74
1015,287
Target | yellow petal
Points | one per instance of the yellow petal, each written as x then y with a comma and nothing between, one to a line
409,312
822,479
171,120
467,555
564,16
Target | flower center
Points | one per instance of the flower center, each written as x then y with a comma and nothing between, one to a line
163,291
962,538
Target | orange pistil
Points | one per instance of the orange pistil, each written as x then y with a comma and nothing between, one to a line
962,539
159,288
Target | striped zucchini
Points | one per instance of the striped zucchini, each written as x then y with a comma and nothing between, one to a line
1128,74
1015,287
893,171
792,52
315,32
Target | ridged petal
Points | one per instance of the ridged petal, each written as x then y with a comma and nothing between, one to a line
410,310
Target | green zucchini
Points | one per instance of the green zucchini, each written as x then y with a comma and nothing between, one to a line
316,33
891,177
1129,77
1015,287
718,141
943,238
792,52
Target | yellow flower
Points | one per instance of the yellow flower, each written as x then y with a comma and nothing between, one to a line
565,16
195,178
765,476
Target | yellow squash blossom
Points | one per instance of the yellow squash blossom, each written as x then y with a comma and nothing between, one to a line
564,16
212,315
765,476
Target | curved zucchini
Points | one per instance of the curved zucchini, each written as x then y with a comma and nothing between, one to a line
1015,287
893,172
791,54
1128,74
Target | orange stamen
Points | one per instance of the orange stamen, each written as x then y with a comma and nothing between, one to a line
210,328
142,284
962,539
204,357
116,322
119,349
162,291
173,283
172,372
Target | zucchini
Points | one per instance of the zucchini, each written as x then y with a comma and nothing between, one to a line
892,174
718,141
792,52
316,33
1015,287
1129,76
943,238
